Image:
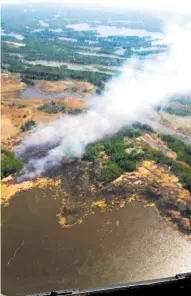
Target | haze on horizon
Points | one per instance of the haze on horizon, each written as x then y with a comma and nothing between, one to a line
113,110
176,6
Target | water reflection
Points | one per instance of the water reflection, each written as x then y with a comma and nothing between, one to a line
131,244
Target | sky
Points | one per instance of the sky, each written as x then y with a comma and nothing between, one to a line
177,6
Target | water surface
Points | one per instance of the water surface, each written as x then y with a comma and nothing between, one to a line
71,66
30,93
131,244
12,34
105,31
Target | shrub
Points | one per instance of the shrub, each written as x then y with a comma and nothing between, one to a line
183,150
52,108
92,152
183,173
28,125
17,105
9,165
142,126
109,172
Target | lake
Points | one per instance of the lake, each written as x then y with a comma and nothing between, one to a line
106,31
30,93
131,244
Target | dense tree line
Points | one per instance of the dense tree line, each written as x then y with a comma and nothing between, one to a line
39,72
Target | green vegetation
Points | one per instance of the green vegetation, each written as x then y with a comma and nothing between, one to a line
124,155
109,172
93,152
9,165
114,148
179,109
27,81
157,156
48,46
129,132
17,105
40,72
183,150
183,173
28,125
180,106
180,170
73,111
74,89
143,127
52,108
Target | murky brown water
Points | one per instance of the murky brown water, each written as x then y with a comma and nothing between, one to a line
131,244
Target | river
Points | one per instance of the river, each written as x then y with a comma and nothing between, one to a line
133,243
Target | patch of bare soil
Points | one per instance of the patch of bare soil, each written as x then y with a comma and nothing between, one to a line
180,123
75,103
156,143
10,86
16,111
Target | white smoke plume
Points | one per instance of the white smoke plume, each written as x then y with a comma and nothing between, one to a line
142,84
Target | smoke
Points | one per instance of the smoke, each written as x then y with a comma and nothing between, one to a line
142,84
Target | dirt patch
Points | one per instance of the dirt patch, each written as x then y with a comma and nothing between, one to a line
180,123
8,129
157,144
16,111
11,85
74,103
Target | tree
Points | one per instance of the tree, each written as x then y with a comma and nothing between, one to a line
9,165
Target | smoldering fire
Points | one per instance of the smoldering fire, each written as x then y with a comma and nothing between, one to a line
142,84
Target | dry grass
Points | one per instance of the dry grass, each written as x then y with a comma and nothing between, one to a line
74,103
10,188
60,86
10,86
13,118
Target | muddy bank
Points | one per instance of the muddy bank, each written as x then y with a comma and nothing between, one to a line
152,183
